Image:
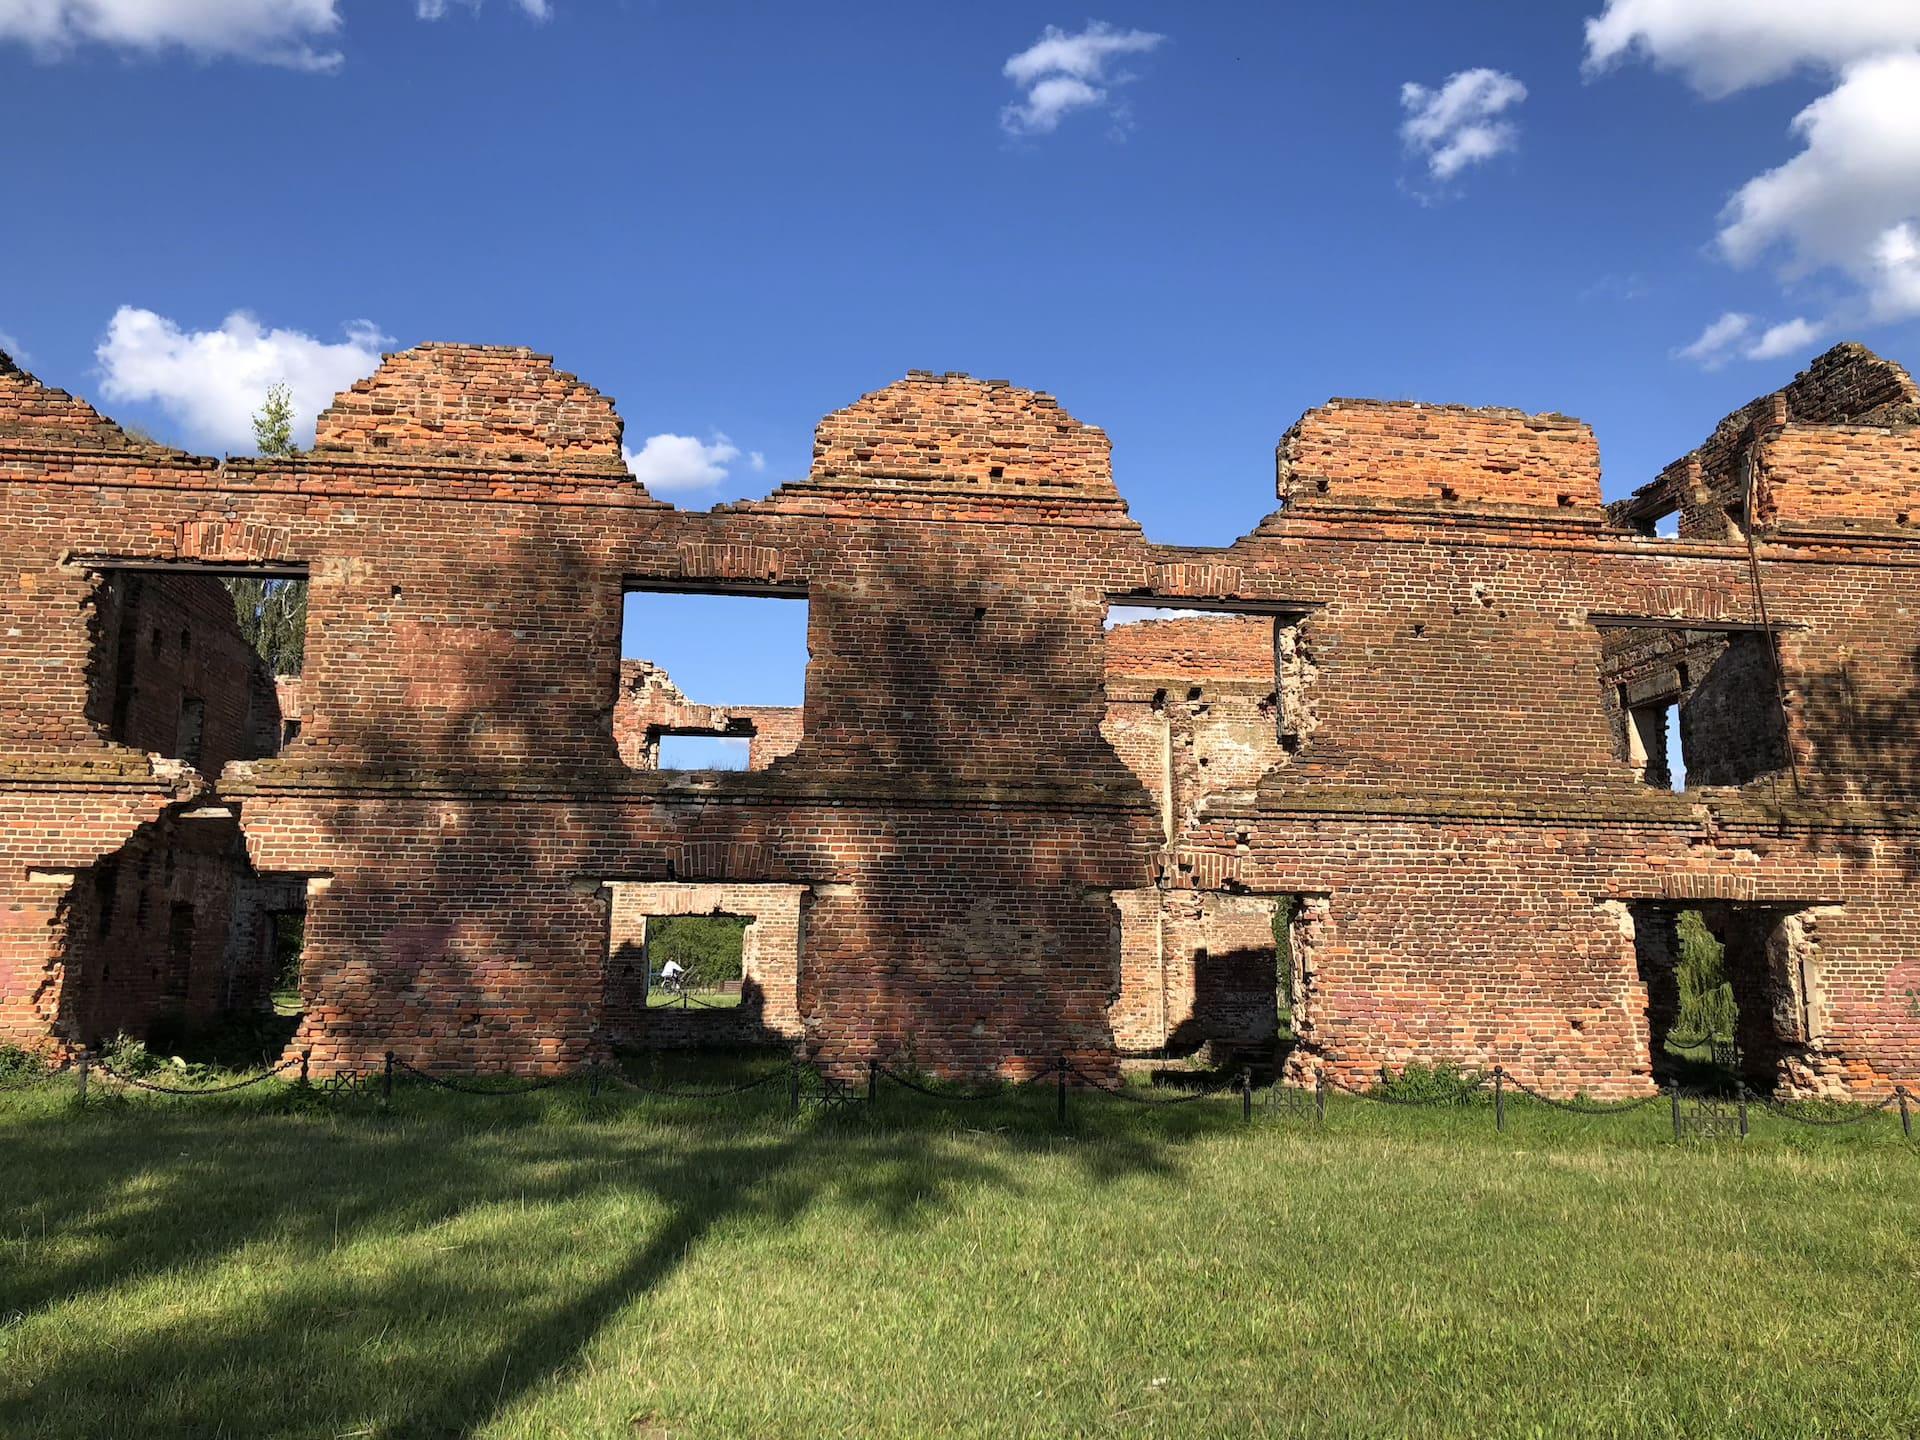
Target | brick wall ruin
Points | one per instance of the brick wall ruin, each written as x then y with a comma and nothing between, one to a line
1002,844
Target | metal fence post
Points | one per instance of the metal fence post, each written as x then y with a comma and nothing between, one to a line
1740,1090
306,1056
86,1063
1499,1098
593,1082
793,1089
1063,1090
873,1081
386,1080
1246,1094
1906,1116
1673,1101
1320,1096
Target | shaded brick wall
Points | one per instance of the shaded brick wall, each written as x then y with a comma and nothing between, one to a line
1445,777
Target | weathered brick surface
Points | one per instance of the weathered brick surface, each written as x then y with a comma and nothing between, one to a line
650,705
1441,777
1360,452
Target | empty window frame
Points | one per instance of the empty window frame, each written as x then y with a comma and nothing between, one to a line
710,681
184,659
1693,706
1202,699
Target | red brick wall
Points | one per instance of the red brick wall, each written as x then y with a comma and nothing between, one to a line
650,704
1444,780
1358,452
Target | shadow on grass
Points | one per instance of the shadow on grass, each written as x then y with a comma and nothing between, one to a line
355,1320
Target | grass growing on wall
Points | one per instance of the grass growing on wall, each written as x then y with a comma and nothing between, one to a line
554,1266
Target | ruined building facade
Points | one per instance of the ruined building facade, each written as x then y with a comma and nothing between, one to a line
1439,732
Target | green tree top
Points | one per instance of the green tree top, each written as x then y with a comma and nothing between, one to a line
273,423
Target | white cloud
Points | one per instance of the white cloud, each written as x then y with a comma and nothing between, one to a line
682,462
14,349
1850,199
1849,202
1732,337
1789,337
1715,345
212,381
436,9
272,32
1061,73
1721,46
1460,124
756,461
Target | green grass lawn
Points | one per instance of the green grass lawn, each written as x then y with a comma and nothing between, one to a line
554,1266
661,998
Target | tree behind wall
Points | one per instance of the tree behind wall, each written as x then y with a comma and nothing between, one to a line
1707,1005
273,613
273,618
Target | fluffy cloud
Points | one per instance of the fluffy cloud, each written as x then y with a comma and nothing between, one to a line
1460,124
1721,46
212,381
1850,199
1733,336
1849,202
292,33
435,9
1061,73
13,349
1789,337
685,462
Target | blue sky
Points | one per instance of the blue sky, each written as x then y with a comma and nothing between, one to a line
1198,222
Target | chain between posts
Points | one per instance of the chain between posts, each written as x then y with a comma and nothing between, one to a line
139,1084
1062,1071
1121,1092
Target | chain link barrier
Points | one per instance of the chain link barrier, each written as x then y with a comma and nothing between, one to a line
459,1088
1457,1098
1775,1107
627,1082
35,1079
1583,1107
999,1092
1122,1092
344,1085
138,1084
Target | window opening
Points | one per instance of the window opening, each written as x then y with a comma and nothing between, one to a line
710,681
1693,707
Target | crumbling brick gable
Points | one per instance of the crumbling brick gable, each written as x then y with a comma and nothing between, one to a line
34,414
651,705
498,404
1833,446
985,434
1373,452
1820,475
